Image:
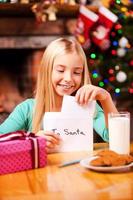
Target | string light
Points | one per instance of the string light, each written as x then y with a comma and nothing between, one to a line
93,56
115,43
117,90
124,9
106,81
120,31
118,1
113,52
118,26
113,34
101,83
95,75
91,62
117,67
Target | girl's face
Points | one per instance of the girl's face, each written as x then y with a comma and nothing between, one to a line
67,73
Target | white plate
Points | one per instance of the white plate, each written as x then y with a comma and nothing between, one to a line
86,163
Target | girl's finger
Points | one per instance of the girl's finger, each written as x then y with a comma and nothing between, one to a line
77,96
52,134
49,144
87,96
80,96
51,139
93,95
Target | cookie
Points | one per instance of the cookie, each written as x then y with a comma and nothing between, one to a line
111,158
97,162
107,153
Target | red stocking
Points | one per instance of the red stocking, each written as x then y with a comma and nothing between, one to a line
85,21
100,35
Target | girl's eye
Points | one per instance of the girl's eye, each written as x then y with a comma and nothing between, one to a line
78,73
60,70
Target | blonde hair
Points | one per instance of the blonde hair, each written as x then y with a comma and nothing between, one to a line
45,98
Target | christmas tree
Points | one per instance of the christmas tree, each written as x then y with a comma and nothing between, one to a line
108,46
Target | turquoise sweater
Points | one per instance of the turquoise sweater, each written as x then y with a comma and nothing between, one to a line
21,119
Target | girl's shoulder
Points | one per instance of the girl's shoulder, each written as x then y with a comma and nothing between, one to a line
27,104
28,101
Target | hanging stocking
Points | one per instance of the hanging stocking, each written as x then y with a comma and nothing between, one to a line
85,21
100,35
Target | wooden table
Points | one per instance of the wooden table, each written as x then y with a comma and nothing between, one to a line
67,183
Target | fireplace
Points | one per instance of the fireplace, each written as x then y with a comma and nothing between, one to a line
22,43
18,69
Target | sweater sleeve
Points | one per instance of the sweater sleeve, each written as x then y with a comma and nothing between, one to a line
99,124
19,119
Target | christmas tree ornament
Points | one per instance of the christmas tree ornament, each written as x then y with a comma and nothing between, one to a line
100,35
111,71
123,42
86,20
121,76
130,90
131,63
121,52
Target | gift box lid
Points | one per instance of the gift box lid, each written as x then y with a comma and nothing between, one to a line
20,145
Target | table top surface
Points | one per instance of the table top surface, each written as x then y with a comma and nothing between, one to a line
67,183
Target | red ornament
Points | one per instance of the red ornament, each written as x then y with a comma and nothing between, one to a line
130,90
112,78
131,63
111,71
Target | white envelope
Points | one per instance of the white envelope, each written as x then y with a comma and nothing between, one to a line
76,131
69,105
74,124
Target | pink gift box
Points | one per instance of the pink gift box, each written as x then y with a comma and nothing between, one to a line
23,153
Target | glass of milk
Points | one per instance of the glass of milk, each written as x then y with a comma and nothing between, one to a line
119,132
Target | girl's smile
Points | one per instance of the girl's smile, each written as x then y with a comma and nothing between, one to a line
66,87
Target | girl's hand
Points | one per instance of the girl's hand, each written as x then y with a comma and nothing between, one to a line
52,139
90,92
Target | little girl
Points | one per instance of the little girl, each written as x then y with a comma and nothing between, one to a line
63,71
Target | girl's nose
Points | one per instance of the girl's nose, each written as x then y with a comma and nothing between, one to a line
67,76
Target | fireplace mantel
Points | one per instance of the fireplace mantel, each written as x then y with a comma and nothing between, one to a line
20,29
27,42
25,9
27,33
